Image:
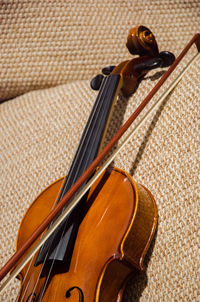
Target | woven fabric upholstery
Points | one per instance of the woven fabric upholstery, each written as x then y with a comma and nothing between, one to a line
46,43
54,42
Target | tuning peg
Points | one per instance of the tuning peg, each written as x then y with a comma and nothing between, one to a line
96,82
108,69
149,65
164,59
167,58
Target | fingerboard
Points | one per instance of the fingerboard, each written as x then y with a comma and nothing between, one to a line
59,246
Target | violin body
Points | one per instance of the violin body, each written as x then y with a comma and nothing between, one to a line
119,222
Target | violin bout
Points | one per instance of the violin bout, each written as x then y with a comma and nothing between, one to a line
113,238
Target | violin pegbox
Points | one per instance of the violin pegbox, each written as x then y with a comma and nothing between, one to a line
140,42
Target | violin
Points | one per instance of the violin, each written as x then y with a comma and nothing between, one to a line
105,238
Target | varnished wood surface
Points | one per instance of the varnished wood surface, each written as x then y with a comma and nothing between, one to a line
102,252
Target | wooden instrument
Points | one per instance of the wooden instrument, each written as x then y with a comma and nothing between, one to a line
107,234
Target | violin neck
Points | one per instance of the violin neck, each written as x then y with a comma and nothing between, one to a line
90,143
94,132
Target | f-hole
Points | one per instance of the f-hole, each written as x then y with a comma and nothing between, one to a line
81,296
31,297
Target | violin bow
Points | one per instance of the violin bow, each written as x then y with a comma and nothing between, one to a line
90,170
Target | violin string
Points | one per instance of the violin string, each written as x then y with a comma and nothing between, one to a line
81,157
23,282
75,201
37,280
87,130
31,260
94,114
86,164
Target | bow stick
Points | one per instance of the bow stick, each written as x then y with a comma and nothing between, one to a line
90,170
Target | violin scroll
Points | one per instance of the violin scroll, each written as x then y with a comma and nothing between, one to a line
141,41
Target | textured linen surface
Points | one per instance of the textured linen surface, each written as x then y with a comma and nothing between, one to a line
45,43
49,43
